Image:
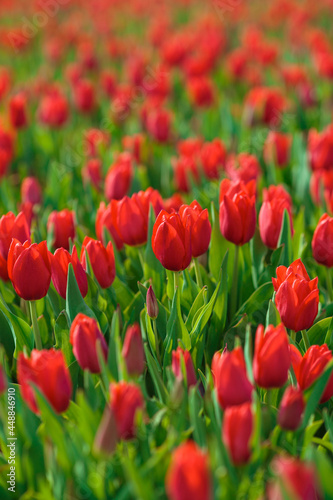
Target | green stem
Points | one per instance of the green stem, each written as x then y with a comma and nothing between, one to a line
234,290
35,327
293,335
197,273
156,341
176,280
142,259
329,284
306,339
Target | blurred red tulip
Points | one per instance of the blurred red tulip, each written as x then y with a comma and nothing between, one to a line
277,149
291,409
126,401
92,172
213,158
53,110
132,351
264,105
320,148
31,191
119,177
243,167
63,226
84,96
18,111
177,356
237,430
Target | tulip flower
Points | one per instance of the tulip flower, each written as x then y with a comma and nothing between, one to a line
237,213
158,124
277,149
63,225
171,241
177,357
53,110
136,145
184,167
213,158
46,369
291,409
59,269
201,91
276,201
264,105
152,304
29,269
200,227
230,378
311,366
119,177
322,241
84,96
11,227
243,167
84,335
190,147
271,359
297,296
18,111
130,215
31,191
106,217
126,400
95,140
320,148
101,259
173,203
132,351
92,172
188,476
294,478
237,431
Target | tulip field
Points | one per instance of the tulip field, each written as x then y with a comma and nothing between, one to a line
166,250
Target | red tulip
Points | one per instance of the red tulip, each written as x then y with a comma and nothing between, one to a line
3,381
158,124
126,400
63,226
84,335
320,148
46,369
230,378
11,227
237,431
201,91
189,147
276,201
291,409
322,241
92,172
177,357
264,105
136,145
271,360
18,111
105,218
31,191
184,168
294,478
29,269
84,96
277,149
237,213
213,158
200,227
53,110
130,215
311,366
101,259
119,177
173,203
133,352
188,476
297,296
59,269
152,304
243,167
94,141
171,241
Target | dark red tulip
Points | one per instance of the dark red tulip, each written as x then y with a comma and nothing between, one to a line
126,400
200,227
18,111
59,269
230,378
133,352
237,430
171,241
276,201
29,269
277,149
47,370
152,304
213,158
11,227
188,475
101,259
297,296
106,218
84,336
84,96
271,360
322,241
237,213
264,105
177,357
63,226
119,177
291,409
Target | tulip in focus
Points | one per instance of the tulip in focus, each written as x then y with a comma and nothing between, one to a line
101,259
84,335
322,241
152,304
200,227
276,201
59,269
11,227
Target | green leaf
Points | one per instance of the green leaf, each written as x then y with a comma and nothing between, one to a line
176,329
197,422
272,316
61,333
74,300
155,375
21,331
7,336
316,393
256,302
317,333
153,269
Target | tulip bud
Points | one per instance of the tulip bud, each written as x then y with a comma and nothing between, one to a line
106,437
188,476
237,431
63,226
322,241
177,357
84,335
133,352
84,96
291,409
152,304
126,400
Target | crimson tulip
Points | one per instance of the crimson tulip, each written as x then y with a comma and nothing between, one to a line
132,351
291,409
63,225
84,96
213,158
47,370
171,241
200,227
101,259
59,269
106,218
119,177
84,335
230,378
53,110
276,201
18,111
264,105
188,475
29,269
11,227
3,381
126,400
277,149
322,241
320,148
177,357
237,431
297,296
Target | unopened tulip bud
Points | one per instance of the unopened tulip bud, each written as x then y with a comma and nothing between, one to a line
291,409
152,305
133,352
